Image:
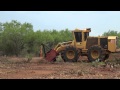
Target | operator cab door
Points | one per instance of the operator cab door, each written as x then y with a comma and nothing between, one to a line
80,39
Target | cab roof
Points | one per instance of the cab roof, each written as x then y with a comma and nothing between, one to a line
112,37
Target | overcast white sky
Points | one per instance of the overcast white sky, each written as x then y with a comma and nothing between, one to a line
98,21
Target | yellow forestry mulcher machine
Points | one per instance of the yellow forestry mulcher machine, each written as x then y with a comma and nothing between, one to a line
95,48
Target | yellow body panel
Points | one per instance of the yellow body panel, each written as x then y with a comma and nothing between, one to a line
112,43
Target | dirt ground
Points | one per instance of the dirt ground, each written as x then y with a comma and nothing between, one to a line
37,68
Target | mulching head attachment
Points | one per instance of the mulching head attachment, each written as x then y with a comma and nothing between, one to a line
51,55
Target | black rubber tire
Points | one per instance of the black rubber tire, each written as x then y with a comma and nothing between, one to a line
98,50
67,59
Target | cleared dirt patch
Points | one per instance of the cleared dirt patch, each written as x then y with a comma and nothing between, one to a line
38,68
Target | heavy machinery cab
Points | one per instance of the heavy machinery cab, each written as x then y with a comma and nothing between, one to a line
80,37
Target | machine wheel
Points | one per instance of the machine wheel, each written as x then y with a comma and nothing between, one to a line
94,53
70,54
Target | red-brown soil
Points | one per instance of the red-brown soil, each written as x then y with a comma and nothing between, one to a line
37,68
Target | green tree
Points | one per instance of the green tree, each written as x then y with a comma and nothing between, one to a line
19,38
14,36
111,33
1,30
